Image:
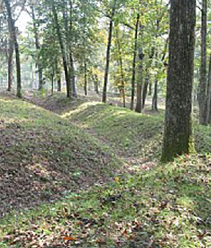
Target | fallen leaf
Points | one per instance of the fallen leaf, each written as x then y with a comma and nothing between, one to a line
68,238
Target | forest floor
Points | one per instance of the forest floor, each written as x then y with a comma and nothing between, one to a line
133,201
42,156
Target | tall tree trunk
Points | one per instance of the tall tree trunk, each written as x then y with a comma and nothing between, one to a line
122,84
150,89
208,112
145,89
155,94
85,80
52,83
67,43
72,67
203,71
134,63
108,52
139,86
58,76
147,77
121,69
178,128
65,64
10,64
37,45
59,85
68,33
96,86
72,75
13,34
18,68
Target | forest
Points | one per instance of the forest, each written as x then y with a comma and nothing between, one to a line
105,123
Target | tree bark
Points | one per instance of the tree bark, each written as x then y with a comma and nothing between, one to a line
72,67
155,97
65,64
139,86
208,112
134,63
122,87
108,54
178,128
85,80
147,77
59,85
150,89
52,84
145,89
13,33
69,54
96,86
10,64
155,94
203,69
37,45
72,75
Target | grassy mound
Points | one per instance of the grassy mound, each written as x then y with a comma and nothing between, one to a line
167,206
57,103
130,133
42,156
161,206
133,134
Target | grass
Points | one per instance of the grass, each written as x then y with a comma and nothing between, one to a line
135,135
42,156
143,206
167,206
130,133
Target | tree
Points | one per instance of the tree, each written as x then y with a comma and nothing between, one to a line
13,34
202,96
134,63
108,51
139,86
37,45
62,47
6,48
208,104
178,128
10,62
